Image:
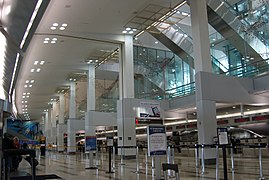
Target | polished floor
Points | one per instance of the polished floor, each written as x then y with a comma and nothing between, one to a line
72,167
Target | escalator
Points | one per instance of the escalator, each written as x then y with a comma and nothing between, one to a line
181,44
231,28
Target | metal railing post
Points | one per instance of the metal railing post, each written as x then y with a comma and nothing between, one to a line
196,155
232,158
260,162
203,159
137,159
217,162
113,158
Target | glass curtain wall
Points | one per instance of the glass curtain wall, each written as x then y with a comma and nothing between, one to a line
159,71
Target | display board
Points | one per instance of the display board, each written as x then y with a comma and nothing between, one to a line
149,109
223,136
156,140
90,143
109,141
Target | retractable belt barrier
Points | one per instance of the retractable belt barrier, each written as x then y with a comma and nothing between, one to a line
197,147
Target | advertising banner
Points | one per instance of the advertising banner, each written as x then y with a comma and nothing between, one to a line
156,140
149,109
90,143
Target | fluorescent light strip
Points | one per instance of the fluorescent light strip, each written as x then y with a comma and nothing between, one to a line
38,4
13,74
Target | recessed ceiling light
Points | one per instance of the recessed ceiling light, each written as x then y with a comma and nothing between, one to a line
156,42
30,85
27,96
55,24
25,106
38,70
128,29
45,42
36,62
53,42
54,39
23,93
27,81
42,62
23,96
96,60
25,86
52,28
47,39
28,93
134,29
62,28
131,32
32,70
32,81
25,101
64,25
124,32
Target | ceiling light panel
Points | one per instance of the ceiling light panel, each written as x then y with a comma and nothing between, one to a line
57,26
50,40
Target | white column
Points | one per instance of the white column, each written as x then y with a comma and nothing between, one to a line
206,109
61,125
71,134
61,109
126,76
89,126
125,121
53,123
200,35
72,100
48,133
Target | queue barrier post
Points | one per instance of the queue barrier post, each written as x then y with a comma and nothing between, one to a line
121,157
260,162
137,160
196,155
217,162
232,157
203,159
113,157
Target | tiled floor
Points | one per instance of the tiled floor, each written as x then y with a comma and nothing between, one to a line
72,167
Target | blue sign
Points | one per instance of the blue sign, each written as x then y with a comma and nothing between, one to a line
90,143
156,140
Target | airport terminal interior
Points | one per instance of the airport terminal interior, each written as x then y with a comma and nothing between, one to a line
134,89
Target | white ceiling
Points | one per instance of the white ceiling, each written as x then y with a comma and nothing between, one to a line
92,25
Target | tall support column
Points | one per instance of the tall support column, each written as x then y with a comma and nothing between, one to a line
89,126
53,123
71,133
206,109
48,132
126,123
61,125
46,122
